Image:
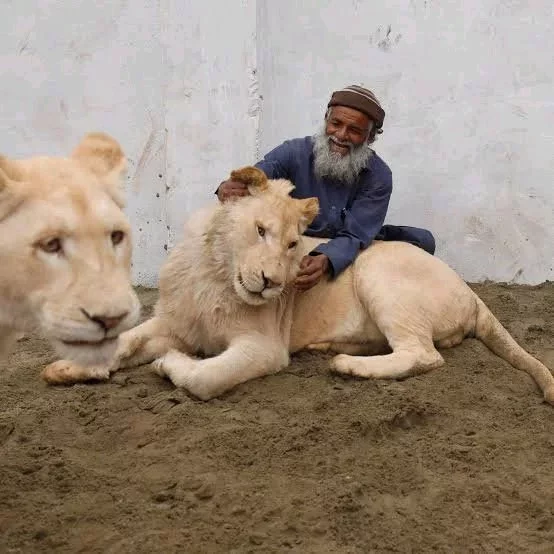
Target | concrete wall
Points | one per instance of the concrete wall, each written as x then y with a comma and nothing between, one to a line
469,133
192,92
174,81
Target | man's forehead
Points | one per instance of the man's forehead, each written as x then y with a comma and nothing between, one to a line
350,115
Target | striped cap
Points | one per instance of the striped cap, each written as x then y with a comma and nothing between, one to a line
361,99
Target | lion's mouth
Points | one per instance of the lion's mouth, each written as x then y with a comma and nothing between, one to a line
243,285
94,344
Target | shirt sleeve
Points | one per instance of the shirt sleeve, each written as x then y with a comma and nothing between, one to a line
361,224
276,164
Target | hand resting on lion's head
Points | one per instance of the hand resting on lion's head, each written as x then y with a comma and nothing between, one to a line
228,312
65,251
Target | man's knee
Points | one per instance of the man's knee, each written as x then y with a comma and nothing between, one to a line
414,235
421,237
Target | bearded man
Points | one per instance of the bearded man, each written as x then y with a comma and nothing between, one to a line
353,184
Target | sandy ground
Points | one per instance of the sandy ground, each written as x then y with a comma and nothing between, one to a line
458,460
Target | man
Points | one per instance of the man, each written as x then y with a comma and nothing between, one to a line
353,184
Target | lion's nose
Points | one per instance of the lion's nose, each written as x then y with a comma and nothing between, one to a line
106,322
270,283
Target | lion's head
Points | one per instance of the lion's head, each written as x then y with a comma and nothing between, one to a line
65,249
259,236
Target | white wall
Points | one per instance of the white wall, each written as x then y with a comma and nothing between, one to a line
192,92
469,133
174,81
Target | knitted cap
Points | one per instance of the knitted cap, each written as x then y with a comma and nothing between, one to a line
361,99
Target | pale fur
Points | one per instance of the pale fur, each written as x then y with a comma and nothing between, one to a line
385,316
77,200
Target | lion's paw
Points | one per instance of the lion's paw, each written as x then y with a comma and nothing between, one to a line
64,372
183,372
342,363
173,362
159,367
58,373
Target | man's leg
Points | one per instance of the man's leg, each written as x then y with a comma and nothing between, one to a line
414,235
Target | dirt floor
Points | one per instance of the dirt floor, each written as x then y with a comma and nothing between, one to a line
458,460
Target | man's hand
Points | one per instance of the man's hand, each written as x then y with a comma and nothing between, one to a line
312,269
231,189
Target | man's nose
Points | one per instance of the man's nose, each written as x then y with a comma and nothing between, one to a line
341,134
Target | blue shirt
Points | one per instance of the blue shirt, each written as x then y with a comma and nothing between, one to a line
352,225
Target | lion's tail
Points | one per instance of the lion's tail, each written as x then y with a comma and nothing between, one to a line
492,333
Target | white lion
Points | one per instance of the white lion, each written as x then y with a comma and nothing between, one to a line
65,251
227,312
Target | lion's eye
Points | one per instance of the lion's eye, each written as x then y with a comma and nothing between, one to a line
293,244
261,231
52,246
117,237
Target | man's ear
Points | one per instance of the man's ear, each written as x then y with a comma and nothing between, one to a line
309,208
255,179
102,155
10,194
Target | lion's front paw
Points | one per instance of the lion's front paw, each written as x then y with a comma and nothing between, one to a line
184,372
159,368
176,366
64,372
167,364
58,373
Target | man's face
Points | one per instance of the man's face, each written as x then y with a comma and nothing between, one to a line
346,128
341,151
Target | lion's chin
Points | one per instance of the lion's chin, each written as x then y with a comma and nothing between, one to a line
86,353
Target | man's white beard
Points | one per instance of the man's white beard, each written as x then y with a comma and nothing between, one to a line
343,168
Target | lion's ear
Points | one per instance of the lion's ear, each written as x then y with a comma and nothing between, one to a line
10,194
309,208
102,155
254,178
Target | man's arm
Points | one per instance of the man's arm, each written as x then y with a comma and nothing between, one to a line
361,223
275,164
